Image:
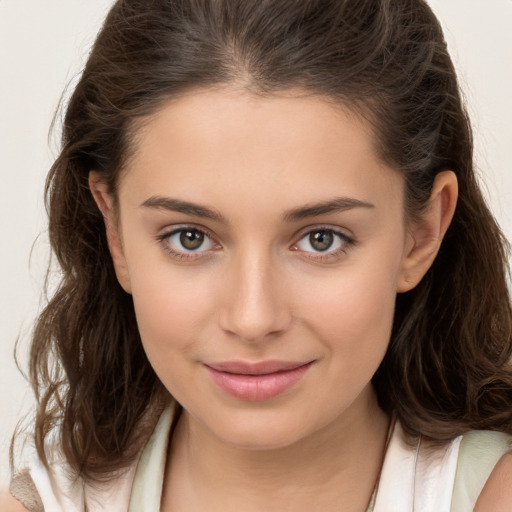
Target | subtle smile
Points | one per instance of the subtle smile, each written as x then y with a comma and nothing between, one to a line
257,381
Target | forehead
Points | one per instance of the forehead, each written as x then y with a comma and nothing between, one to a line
206,115
292,147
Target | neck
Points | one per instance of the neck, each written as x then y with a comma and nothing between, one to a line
341,461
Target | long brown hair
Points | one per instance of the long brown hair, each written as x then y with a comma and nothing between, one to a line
447,369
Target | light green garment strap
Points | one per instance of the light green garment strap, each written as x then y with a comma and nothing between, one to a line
147,485
479,452
371,505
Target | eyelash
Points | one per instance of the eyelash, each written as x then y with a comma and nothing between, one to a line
346,242
163,240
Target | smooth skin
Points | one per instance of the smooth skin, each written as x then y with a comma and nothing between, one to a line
9,504
254,175
216,234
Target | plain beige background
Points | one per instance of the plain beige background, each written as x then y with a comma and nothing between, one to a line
44,44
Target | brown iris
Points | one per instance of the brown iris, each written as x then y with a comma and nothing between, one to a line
191,239
321,240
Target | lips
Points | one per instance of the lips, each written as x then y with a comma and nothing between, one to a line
257,381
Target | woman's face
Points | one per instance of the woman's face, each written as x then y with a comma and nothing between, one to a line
263,242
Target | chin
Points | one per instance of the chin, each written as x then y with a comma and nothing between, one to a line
258,442
260,431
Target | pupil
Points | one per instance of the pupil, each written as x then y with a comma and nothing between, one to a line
321,240
191,239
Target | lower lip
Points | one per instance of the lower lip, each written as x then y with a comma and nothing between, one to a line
257,388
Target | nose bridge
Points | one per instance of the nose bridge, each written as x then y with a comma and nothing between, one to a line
255,305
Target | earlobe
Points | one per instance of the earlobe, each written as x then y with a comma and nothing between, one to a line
106,205
426,234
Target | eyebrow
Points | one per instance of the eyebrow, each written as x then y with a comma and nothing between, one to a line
338,204
335,205
177,205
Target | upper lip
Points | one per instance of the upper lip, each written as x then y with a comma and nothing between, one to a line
258,368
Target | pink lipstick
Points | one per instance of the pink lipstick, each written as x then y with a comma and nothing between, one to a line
257,381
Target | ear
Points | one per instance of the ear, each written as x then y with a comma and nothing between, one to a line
105,201
425,235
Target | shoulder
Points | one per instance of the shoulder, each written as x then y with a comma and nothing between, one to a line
449,476
484,472
496,495
10,504
57,488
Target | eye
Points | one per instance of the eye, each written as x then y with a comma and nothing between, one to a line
187,242
188,239
324,241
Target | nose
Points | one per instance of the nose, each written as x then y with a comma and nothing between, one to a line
254,305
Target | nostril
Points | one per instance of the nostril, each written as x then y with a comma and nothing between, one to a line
253,325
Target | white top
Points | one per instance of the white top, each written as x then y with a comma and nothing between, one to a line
421,477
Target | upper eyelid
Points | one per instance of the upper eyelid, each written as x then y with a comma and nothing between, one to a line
171,230
338,230
344,232
345,239
163,240
348,242
183,254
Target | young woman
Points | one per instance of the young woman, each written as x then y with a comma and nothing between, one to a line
281,288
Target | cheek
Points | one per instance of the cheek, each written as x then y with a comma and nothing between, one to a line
352,312
171,308
171,313
355,318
